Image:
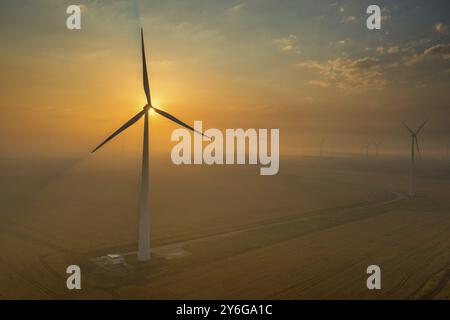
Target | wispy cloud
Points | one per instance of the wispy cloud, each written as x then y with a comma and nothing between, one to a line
349,74
319,83
394,49
348,19
385,14
287,44
236,9
380,49
440,28
439,51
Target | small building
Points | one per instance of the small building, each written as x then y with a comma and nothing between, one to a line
115,259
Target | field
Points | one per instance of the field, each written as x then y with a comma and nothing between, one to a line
226,232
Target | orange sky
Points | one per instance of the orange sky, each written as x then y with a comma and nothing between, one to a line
302,67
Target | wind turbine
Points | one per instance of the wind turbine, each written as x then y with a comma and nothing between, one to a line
322,142
448,152
144,228
377,149
414,143
367,147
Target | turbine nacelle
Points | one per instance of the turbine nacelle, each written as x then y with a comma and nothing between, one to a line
412,132
414,137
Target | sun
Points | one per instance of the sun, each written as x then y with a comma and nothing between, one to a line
155,103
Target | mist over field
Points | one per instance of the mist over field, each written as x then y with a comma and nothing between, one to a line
309,232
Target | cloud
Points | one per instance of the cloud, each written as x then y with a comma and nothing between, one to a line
439,51
237,8
394,49
287,44
385,14
345,73
310,64
319,83
365,63
440,28
348,19
392,65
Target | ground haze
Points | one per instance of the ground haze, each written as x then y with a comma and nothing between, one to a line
225,231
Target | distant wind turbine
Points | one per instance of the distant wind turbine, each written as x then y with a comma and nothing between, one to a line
414,143
322,142
377,149
144,228
367,147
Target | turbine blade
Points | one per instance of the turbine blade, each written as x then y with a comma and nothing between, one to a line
409,129
421,127
181,123
122,128
144,70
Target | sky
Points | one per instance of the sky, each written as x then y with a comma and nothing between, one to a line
309,68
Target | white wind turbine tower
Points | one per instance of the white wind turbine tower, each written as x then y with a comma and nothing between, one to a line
144,225
414,143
